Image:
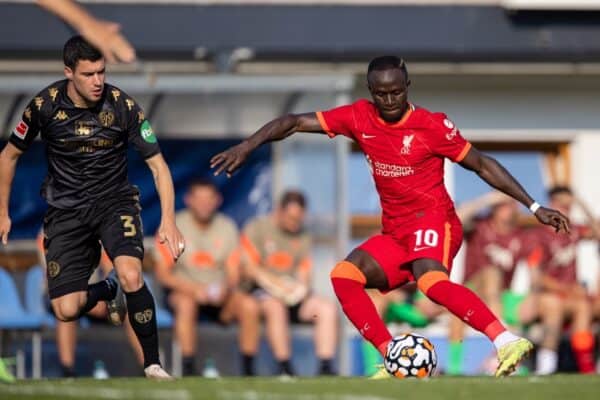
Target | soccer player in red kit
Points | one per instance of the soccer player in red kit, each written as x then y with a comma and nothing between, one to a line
405,147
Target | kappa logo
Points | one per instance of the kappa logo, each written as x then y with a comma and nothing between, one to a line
449,124
61,116
406,143
365,136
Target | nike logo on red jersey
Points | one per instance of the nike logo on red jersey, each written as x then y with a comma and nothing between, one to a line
365,136
422,248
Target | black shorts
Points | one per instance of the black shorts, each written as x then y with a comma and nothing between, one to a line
73,239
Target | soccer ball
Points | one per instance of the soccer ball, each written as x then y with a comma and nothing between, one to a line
410,356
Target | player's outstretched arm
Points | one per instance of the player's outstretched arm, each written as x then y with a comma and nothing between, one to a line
104,35
8,163
492,172
278,129
167,231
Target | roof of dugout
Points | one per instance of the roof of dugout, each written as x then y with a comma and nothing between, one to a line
321,33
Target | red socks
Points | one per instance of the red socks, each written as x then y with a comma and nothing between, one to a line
461,302
583,347
349,286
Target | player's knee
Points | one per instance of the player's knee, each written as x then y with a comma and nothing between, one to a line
429,279
67,311
348,270
131,280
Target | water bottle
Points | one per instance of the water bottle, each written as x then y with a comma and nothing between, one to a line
210,369
100,371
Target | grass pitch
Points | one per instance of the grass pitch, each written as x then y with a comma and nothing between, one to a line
567,387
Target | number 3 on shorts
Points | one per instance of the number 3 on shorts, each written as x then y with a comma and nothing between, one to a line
128,225
426,237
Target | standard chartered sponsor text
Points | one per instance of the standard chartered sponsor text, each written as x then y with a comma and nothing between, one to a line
392,170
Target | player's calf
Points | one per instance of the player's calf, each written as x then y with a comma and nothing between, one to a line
349,285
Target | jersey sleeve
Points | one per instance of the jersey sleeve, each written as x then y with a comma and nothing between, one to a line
447,140
139,130
28,128
338,121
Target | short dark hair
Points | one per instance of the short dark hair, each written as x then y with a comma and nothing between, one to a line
76,49
559,189
383,63
201,181
292,197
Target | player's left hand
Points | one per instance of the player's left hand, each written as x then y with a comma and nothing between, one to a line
554,218
169,233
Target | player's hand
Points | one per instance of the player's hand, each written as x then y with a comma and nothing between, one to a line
231,159
106,37
169,234
556,219
4,228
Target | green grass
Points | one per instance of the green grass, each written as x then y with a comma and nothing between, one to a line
568,387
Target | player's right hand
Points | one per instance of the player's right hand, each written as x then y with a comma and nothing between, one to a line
231,159
4,228
554,218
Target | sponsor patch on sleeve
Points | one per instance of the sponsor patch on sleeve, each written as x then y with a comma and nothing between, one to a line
147,132
21,129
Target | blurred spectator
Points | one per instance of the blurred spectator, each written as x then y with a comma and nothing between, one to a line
278,263
104,35
66,331
203,282
556,256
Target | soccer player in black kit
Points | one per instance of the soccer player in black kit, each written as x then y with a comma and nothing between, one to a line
87,126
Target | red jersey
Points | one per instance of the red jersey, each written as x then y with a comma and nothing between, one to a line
489,248
556,254
406,158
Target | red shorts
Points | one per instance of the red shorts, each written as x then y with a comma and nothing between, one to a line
436,236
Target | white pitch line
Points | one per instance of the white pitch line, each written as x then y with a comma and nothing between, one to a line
260,395
102,393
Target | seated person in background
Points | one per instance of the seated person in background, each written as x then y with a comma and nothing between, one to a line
204,280
66,331
556,257
277,262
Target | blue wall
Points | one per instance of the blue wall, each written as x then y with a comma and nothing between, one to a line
248,192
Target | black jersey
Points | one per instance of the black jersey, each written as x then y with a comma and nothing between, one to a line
86,147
